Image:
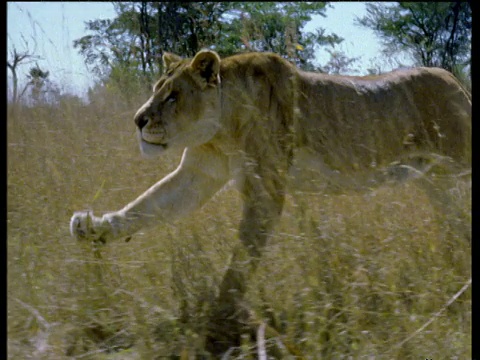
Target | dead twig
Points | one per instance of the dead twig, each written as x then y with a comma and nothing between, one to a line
436,315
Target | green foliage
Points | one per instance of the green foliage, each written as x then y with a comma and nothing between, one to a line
276,27
143,31
40,89
435,33
37,74
338,62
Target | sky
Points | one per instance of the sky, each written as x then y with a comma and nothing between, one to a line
48,29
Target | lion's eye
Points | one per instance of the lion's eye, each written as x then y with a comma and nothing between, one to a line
171,98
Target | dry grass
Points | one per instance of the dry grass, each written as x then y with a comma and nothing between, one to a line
344,277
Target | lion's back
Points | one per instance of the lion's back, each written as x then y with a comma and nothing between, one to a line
348,120
374,119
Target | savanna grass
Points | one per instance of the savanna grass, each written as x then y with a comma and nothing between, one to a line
345,277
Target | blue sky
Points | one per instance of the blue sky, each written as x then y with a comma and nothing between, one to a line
49,29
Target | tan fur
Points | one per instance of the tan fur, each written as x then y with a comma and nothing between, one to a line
348,124
257,119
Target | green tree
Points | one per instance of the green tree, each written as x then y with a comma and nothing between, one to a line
142,31
38,82
135,40
435,33
276,27
338,63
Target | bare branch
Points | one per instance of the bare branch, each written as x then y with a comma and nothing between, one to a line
18,58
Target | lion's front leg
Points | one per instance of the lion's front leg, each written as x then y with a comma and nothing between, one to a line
201,173
263,194
84,226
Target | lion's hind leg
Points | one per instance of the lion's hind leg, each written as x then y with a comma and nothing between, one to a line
449,196
445,182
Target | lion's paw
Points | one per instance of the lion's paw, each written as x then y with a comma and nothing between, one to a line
85,226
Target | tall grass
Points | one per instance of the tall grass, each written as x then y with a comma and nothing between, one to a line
345,277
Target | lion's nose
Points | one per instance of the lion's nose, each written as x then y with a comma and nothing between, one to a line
141,120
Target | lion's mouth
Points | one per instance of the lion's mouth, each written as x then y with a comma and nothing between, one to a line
156,143
156,138
151,145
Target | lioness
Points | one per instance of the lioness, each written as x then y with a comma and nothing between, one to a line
259,120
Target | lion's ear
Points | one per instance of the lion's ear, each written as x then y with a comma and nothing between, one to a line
169,59
206,64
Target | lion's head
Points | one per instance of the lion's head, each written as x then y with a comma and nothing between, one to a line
184,110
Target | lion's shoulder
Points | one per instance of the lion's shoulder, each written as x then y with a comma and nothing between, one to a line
256,64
